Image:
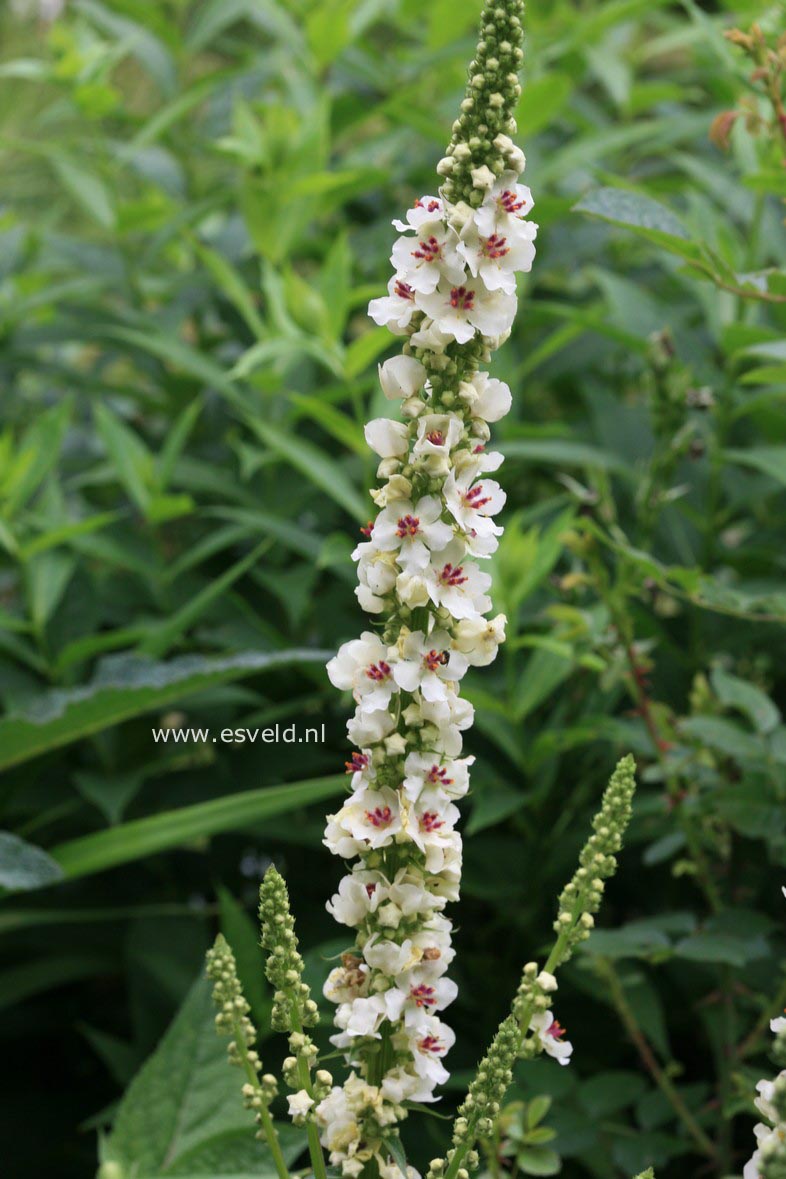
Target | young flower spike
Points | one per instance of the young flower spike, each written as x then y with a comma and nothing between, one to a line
293,1010
531,1026
453,300
233,1020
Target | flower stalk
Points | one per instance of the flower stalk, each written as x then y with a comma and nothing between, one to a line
452,299
233,1020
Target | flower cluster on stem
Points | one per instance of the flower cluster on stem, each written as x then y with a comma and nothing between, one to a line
453,299
233,1020
769,1158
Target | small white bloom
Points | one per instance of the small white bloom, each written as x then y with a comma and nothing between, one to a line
494,398
479,639
368,819
395,310
431,819
428,1044
413,529
387,438
361,666
431,337
401,376
424,770
358,895
547,982
369,728
472,504
427,663
508,203
427,257
458,310
457,584
550,1034
497,258
346,983
299,1105
425,209
438,434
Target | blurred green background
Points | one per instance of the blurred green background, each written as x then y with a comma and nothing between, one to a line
195,210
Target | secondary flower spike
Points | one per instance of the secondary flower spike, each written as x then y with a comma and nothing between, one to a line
420,573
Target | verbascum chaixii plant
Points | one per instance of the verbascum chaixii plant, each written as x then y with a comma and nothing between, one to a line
452,299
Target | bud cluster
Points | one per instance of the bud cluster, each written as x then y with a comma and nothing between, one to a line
293,1007
582,896
233,1020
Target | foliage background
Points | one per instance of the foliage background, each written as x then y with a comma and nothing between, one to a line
196,208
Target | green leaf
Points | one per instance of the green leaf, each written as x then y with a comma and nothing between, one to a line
24,866
396,1148
563,452
126,686
182,1114
87,189
733,950
634,209
315,465
130,457
156,833
769,460
747,698
35,456
538,1160
162,637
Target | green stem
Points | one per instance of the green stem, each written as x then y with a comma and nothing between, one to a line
263,1113
661,1079
304,1080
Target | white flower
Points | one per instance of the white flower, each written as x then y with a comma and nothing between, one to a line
361,666
487,397
348,982
424,770
363,1017
431,819
427,663
387,438
401,376
479,639
550,1034
428,1044
358,895
457,584
459,309
472,504
496,258
446,722
369,819
412,588
413,529
299,1105
395,310
425,209
431,337
424,996
429,256
437,435
369,728
389,958
505,205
